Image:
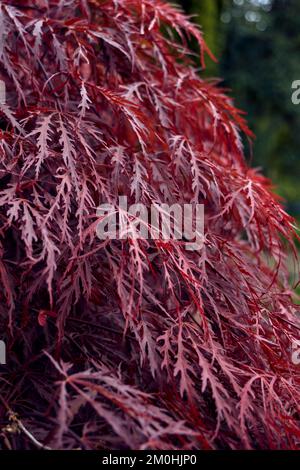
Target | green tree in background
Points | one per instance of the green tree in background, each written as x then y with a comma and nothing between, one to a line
257,43
207,14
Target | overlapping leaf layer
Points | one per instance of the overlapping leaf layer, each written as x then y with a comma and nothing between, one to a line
134,343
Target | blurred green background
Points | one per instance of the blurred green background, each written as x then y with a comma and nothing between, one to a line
257,43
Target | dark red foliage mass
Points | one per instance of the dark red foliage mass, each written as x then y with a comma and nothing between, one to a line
134,343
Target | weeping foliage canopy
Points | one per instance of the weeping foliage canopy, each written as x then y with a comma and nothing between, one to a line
134,343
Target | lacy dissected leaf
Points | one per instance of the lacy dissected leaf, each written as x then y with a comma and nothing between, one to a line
133,343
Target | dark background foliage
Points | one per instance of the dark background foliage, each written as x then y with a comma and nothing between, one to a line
257,43
134,343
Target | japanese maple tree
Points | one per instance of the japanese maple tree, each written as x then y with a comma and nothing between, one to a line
136,344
